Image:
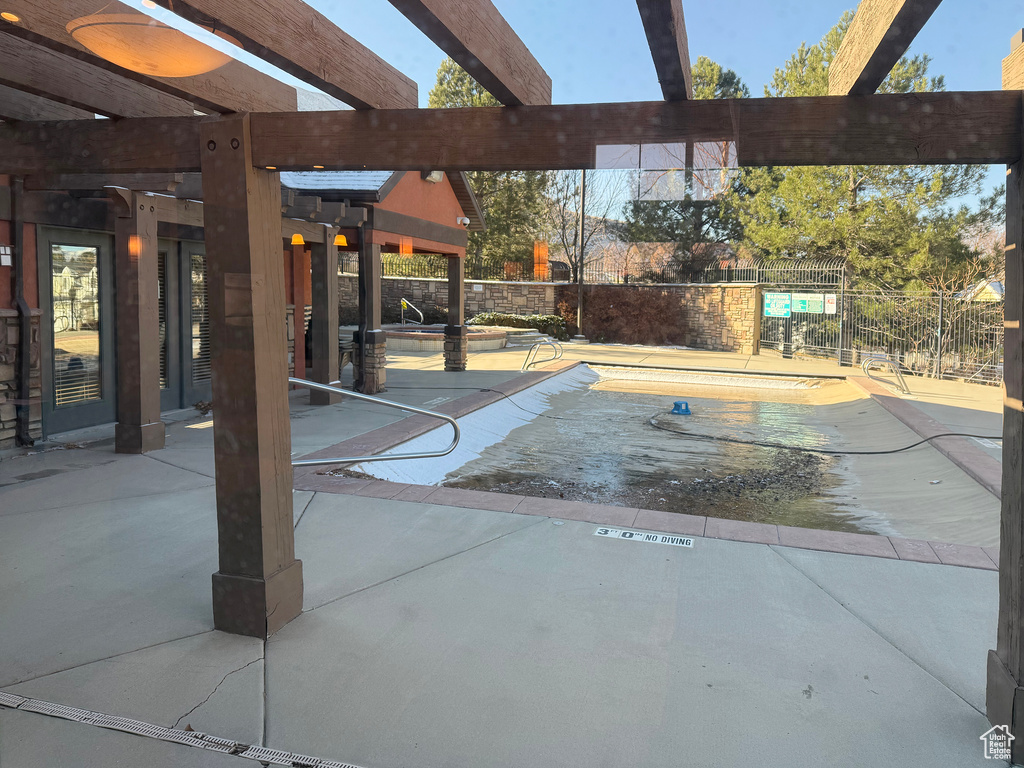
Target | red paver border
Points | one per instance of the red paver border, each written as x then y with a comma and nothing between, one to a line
985,470
888,547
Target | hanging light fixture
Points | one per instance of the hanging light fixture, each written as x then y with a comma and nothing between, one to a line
298,240
144,45
340,240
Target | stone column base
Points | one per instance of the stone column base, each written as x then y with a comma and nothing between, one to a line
374,378
245,605
132,438
456,347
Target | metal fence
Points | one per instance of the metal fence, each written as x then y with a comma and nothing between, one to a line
940,335
789,272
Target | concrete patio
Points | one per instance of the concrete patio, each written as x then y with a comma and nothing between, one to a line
438,634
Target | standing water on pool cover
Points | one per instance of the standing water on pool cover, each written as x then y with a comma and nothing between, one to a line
599,446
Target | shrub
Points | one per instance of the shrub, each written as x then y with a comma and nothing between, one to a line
552,325
627,315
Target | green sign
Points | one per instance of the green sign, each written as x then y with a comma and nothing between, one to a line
809,303
777,305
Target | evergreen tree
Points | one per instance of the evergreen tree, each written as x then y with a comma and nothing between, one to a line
895,225
513,202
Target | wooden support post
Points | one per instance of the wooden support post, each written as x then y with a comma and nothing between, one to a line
371,377
456,333
1005,693
139,428
300,268
258,588
324,263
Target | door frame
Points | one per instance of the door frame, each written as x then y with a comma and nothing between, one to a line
93,412
170,397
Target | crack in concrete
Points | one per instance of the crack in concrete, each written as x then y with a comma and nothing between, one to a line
215,689
875,630
427,565
303,512
105,658
176,466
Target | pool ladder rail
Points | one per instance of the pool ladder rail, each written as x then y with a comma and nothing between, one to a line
388,404
406,304
885,361
531,356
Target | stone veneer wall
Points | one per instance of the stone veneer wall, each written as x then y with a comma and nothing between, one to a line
721,317
481,295
8,377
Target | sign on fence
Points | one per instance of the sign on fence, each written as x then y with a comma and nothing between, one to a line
830,303
809,303
777,304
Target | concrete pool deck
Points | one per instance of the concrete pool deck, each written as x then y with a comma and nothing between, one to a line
439,633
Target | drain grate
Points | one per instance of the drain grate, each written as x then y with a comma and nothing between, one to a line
193,739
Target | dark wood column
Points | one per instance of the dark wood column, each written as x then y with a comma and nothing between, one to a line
139,428
456,333
371,377
258,588
1005,694
300,268
324,263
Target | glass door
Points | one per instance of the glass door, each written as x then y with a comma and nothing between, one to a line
76,287
195,334
170,358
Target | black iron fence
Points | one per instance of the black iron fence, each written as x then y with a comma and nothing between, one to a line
940,335
793,272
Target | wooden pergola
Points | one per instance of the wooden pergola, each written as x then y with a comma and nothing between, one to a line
248,131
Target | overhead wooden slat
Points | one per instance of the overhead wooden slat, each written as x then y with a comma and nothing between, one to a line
19,105
880,33
477,36
303,42
234,87
138,182
1013,65
666,37
915,128
53,75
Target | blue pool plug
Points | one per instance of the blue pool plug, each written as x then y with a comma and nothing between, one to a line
682,408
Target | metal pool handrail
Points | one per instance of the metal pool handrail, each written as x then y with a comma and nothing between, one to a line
379,401
407,303
893,366
536,348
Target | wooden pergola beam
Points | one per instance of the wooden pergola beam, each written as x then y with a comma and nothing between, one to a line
19,105
139,182
477,36
303,42
880,33
665,28
882,129
234,87
33,68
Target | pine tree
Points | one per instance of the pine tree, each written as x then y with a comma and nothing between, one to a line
895,225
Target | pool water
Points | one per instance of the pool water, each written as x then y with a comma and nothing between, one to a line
601,446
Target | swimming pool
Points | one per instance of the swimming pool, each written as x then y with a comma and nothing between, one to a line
606,434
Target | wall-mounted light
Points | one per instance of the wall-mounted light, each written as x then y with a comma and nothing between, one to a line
297,240
142,44
462,221
340,240
433,176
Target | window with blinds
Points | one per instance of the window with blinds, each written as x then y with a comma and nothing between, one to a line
76,324
200,321
162,305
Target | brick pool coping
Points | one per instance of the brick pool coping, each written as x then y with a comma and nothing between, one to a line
889,547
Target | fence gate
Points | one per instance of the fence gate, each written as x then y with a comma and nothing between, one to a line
952,335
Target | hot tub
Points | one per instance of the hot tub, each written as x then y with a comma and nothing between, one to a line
430,338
